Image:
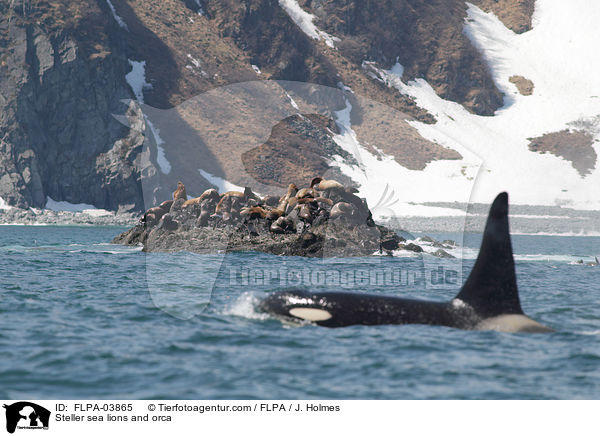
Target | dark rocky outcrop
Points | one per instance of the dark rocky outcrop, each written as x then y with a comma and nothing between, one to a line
61,79
307,228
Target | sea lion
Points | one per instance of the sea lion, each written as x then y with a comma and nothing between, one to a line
343,209
167,222
253,212
282,225
180,192
209,193
228,198
273,214
152,215
166,205
305,214
249,195
291,192
315,181
270,200
291,204
327,185
316,200
306,192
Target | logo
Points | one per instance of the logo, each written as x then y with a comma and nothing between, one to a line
26,415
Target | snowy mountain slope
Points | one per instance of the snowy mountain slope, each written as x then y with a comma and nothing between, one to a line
558,55
412,107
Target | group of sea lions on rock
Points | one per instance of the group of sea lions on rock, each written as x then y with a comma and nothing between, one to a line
324,215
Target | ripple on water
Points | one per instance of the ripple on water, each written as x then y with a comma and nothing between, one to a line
79,320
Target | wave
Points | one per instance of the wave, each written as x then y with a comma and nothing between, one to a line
245,306
582,234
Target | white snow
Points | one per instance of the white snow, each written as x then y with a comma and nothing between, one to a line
161,157
118,19
4,205
97,212
221,184
304,20
560,56
293,102
391,189
256,69
136,79
200,10
59,206
196,63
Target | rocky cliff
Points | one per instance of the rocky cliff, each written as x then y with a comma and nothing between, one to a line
64,68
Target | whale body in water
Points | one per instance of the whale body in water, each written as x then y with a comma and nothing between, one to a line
488,300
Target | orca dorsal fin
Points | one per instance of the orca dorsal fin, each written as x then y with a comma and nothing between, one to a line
491,288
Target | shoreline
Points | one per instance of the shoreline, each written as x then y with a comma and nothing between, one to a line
46,217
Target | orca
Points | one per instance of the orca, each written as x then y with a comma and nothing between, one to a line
488,300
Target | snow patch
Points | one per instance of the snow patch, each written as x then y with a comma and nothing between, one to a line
136,79
161,157
200,10
196,63
304,20
117,18
65,206
221,184
4,205
97,212
293,102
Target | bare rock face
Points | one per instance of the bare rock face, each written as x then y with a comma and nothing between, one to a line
515,14
59,89
63,66
425,37
525,86
576,146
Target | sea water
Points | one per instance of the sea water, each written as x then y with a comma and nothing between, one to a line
81,318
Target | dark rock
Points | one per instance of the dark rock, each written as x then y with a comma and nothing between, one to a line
412,247
177,205
442,254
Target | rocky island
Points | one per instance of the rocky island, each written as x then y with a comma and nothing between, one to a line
323,219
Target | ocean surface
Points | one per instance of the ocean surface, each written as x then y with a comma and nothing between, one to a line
81,318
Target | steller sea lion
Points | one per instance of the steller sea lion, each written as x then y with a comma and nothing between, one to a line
315,181
282,225
305,214
153,215
253,212
209,193
306,192
342,209
326,185
168,223
305,200
166,205
270,200
291,191
180,192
